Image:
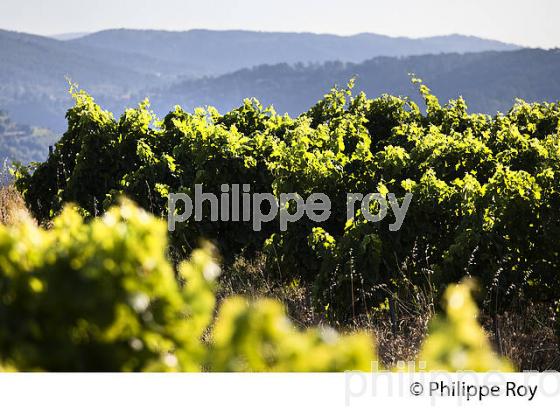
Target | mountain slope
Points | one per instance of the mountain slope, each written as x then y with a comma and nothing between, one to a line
33,86
22,142
218,52
489,81
27,57
117,64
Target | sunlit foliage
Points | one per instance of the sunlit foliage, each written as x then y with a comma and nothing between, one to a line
102,296
486,197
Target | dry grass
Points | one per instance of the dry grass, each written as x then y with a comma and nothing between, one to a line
527,338
250,279
396,345
12,206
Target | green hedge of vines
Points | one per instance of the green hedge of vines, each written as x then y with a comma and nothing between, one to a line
486,190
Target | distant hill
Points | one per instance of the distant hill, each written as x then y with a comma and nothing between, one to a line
22,142
489,81
219,52
33,87
68,36
118,65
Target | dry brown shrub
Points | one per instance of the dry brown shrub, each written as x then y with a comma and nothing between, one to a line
12,206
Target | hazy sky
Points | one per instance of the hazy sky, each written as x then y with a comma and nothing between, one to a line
526,22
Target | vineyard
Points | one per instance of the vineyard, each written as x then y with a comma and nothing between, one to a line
104,279
103,297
